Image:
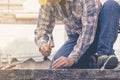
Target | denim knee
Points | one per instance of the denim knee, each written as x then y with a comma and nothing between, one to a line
111,4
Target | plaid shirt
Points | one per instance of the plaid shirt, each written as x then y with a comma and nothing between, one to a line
84,12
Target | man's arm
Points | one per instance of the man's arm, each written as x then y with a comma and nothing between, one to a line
45,25
90,13
89,21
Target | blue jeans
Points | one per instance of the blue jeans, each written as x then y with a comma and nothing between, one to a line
104,39
109,24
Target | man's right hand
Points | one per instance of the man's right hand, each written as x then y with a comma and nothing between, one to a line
45,49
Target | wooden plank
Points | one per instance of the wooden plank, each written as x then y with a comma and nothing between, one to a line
62,74
11,6
11,1
26,16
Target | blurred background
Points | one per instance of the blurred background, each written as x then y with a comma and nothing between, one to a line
18,50
18,20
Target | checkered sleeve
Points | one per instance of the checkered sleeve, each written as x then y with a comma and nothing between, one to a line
90,13
45,25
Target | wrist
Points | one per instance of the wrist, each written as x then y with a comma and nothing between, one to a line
70,61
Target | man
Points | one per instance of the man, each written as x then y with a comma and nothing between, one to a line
109,22
87,36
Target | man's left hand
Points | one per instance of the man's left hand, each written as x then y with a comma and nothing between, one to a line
62,62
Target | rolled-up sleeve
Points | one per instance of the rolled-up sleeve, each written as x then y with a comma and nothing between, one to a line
90,14
45,25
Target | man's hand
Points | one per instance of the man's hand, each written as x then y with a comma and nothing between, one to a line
62,62
45,49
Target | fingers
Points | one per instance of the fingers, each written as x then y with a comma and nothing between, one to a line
45,53
45,47
45,50
59,63
62,62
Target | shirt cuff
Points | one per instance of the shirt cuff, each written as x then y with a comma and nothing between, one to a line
41,41
75,57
